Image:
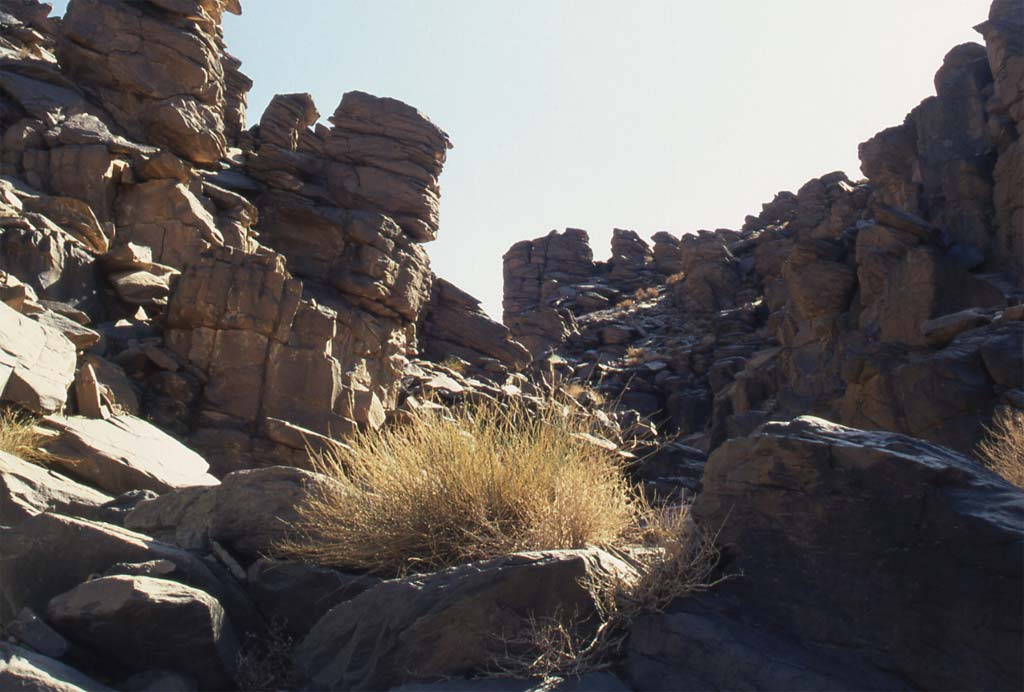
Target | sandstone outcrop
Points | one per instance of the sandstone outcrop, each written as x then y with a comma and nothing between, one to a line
186,299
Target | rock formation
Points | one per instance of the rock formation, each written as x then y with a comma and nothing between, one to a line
190,307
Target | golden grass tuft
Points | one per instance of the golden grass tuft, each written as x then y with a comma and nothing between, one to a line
473,484
1002,450
18,436
675,278
649,293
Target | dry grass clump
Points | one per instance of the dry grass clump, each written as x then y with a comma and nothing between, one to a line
473,484
1002,450
683,563
648,293
18,436
265,662
625,303
675,278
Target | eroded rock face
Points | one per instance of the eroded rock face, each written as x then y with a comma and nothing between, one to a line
27,490
22,669
535,273
37,363
455,325
156,67
812,512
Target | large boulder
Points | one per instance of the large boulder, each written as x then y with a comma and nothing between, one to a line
452,623
249,513
123,453
140,623
880,549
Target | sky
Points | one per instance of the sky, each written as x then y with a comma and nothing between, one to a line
649,115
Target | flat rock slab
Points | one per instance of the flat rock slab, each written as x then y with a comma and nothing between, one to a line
137,623
27,489
125,453
37,363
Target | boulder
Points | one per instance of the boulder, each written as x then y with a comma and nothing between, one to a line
248,513
941,330
49,554
452,623
140,623
37,363
27,490
21,669
917,551
123,453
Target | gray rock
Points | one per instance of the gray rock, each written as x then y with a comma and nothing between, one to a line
138,623
297,595
886,548
21,669
452,623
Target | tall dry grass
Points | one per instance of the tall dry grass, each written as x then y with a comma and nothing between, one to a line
1002,450
465,485
18,436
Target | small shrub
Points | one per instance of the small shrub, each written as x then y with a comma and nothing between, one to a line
18,436
585,394
1002,450
635,355
455,364
473,484
648,293
265,662
675,278
625,303
683,562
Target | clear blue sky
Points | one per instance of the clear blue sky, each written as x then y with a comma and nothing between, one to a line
651,114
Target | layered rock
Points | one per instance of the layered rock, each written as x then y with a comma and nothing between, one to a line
157,67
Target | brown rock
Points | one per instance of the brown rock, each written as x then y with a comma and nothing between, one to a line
125,453
160,74
27,490
37,363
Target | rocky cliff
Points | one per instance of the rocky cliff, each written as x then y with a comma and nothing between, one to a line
248,287
191,307
892,302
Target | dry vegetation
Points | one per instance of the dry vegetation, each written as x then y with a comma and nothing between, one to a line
675,278
265,662
19,437
473,484
1002,450
683,562
649,293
